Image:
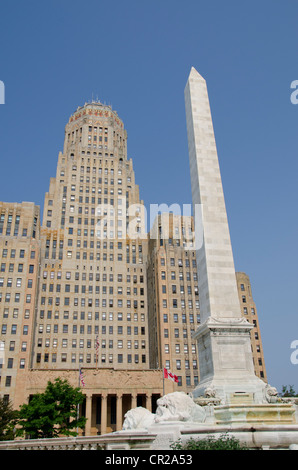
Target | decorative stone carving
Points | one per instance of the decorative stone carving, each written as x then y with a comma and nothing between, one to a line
209,398
137,418
178,406
271,394
210,392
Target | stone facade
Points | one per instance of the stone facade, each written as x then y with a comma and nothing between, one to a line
249,311
19,275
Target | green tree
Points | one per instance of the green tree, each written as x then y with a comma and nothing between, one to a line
8,420
52,413
288,391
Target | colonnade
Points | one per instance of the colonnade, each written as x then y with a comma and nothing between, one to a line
105,411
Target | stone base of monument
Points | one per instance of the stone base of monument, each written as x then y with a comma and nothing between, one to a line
179,417
276,414
226,366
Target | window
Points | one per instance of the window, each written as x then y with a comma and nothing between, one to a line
7,381
13,329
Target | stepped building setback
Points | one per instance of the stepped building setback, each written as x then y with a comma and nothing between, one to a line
87,288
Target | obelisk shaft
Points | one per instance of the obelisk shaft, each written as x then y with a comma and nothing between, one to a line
223,338
217,280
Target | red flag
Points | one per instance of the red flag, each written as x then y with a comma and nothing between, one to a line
168,375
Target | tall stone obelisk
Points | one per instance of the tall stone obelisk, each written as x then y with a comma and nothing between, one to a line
224,346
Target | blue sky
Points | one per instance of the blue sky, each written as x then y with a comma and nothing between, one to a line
136,56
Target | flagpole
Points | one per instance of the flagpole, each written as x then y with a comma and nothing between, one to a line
163,382
78,407
96,349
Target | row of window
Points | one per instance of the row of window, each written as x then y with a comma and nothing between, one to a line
95,255
96,276
173,275
20,268
17,297
99,170
76,330
90,344
16,227
174,289
90,302
179,262
182,302
90,315
89,288
86,359
18,282
13,329
80,329
176,316
178,349
15,313
13,253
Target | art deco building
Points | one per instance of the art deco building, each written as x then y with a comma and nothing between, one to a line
19,253
249,311
91,290
93,276
174,312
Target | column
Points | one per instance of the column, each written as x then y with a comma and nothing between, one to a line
149,402
119,413
88,415
104,399
133,401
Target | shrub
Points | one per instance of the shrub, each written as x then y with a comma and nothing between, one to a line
224,442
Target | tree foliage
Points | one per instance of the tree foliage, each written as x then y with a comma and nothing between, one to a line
52,413
8,420
288,391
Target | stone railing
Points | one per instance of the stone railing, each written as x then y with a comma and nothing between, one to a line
133,441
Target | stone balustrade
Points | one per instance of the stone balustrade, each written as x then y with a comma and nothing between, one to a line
135,441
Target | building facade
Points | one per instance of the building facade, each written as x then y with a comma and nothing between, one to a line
88,289
249,311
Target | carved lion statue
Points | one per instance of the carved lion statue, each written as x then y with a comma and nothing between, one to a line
138,418
271,394
178,406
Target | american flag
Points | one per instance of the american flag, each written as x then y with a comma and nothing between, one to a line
82,381
97,344
168,375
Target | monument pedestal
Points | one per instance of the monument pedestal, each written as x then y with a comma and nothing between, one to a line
225,361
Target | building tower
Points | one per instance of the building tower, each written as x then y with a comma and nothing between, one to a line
93,277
